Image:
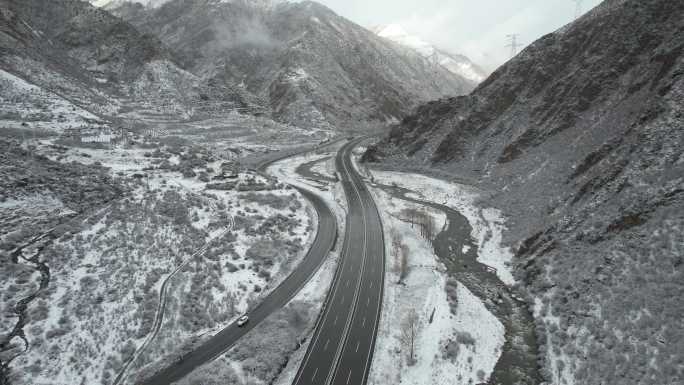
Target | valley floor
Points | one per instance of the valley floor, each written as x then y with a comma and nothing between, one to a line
450,274
81,288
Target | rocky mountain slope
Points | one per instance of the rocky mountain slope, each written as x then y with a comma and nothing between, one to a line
458,64
312,66
99,62
579,139
77,50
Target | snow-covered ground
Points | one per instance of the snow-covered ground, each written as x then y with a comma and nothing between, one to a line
108,270
314,294
25,105
464,346
326,168
487,224
332,193
256,358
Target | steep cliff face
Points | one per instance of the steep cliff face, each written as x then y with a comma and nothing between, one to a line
579,138
311,65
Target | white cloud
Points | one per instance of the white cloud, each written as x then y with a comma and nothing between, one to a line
476,28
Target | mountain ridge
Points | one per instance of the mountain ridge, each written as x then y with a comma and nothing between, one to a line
456,63
578,139
350,77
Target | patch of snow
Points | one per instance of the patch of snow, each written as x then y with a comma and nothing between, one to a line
297,75
456,64
487,223
555,358
22,103
424,291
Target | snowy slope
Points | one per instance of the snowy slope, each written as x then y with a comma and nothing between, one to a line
579,140
457,64
22,102
107,4
313,67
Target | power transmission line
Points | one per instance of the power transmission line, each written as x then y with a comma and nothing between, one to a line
514,44
578,8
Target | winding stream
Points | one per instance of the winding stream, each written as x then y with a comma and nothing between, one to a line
518,361
21,306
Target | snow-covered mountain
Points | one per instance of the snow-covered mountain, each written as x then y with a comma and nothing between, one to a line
579,139
96,61
109,4
458,64
312,66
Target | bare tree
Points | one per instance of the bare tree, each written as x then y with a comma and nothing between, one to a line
400,253
409,333
422,219
403,262
396,251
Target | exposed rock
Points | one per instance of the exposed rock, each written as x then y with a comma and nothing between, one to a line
579,139
313,67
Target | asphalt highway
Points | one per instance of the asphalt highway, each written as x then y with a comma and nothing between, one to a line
279,297
342,345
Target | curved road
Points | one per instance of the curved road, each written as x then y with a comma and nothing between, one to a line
161,309
279,297
341,349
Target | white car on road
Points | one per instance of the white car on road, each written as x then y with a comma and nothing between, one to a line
242,320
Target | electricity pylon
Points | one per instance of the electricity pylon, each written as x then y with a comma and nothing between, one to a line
514,44
578,8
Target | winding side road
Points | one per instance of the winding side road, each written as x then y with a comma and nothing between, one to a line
161,308
325,240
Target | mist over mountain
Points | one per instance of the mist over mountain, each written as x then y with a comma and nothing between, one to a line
458,64
311,65
579,139
100,62
264,192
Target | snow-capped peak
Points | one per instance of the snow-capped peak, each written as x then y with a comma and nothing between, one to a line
158,3
108,4
398,34
458,64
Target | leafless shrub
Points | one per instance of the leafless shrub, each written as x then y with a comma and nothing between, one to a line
409,333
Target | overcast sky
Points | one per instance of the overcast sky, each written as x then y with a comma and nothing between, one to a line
476,28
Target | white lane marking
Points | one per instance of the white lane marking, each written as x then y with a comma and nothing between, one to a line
349,376
347,285
335,322
355,300
364,322
314,376
368,302
357,346
345,250
371,285
326,344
